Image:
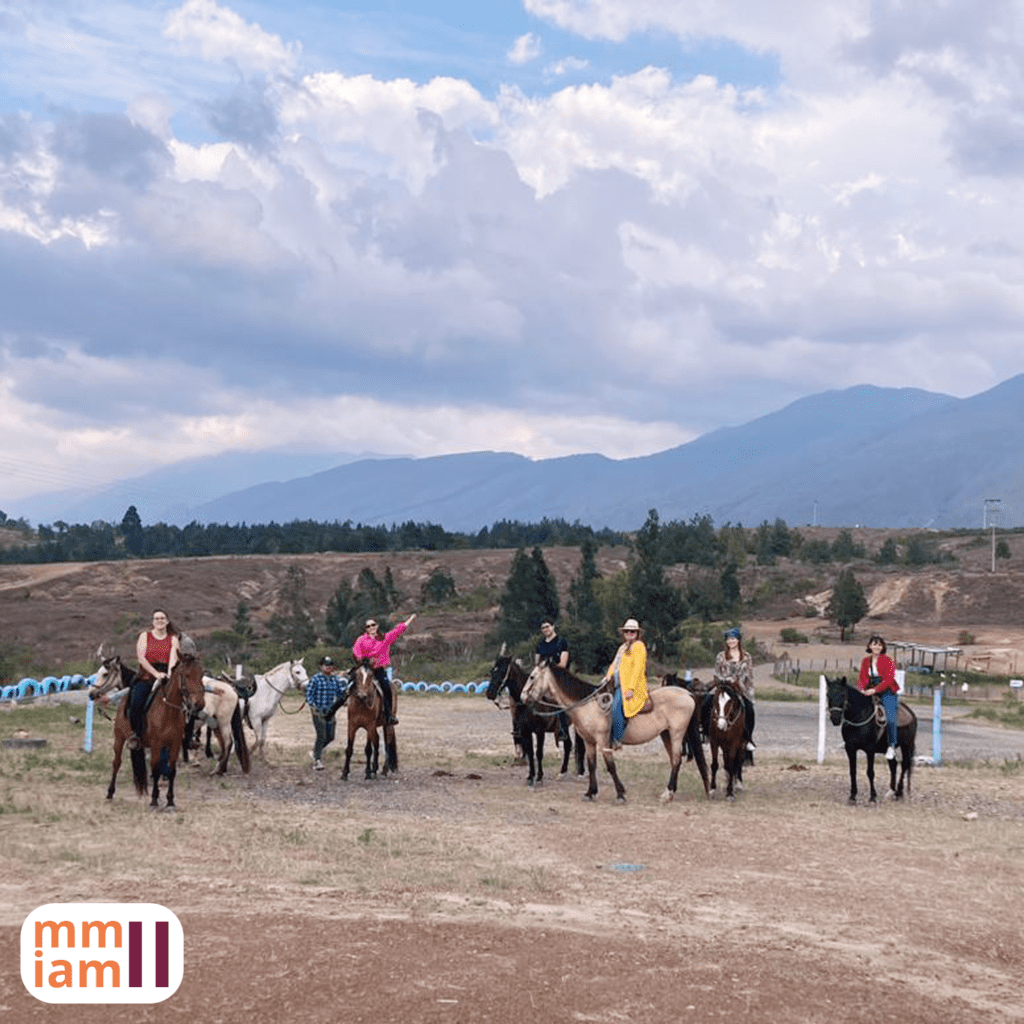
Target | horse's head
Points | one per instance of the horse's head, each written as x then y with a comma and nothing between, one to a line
108,675
362,678
538,683
727,706
499,673
188,676
298,675
835,690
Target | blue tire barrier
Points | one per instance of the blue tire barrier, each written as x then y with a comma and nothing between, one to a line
421,687
51,684
433,688
25,687
446,686
8,693
78,682
481,688
408,687
459,688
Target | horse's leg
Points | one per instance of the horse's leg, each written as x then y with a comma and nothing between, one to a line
870,753
591,769
581,753
566,753
713,743
540,733
154,764
368,749
527,739
172,771
851,753
225,749
620,789
116,765
674,749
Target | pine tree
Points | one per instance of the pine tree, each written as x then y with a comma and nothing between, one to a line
293,623
583,610
131,530
657,604
848,605
546,591
528,597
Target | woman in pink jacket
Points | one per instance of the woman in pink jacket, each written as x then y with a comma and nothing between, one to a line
375,647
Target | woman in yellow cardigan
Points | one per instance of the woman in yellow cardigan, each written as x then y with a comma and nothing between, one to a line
629,669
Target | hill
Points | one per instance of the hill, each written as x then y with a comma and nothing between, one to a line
58,614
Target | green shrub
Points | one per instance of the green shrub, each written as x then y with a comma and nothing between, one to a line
789,635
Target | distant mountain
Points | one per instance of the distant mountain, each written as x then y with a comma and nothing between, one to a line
868,455
170,493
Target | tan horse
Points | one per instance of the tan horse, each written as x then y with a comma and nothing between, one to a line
366,711
222,716
672,719
175,700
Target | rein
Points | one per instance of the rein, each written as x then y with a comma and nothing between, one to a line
602,697
280,693
847,721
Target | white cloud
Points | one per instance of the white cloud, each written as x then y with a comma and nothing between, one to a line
525,49
221,34
565,66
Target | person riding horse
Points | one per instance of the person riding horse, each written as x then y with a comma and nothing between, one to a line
158,651
733,667
629,670
878,679
377,648
553,649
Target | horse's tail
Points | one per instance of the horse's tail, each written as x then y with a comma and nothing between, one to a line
238,734
697,746
391,746
139,769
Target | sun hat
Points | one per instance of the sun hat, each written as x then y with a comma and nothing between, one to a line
630,624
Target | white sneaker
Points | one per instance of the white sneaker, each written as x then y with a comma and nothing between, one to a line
318,765
890,754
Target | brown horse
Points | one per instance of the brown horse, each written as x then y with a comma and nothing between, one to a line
727,732
366,711
672,719
176,698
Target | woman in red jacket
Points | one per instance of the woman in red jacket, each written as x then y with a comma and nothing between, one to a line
878,677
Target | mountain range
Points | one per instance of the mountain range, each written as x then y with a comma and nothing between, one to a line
866,455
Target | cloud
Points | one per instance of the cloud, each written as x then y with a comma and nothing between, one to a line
221,34
299,253
525,49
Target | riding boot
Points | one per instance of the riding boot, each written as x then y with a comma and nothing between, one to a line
386,694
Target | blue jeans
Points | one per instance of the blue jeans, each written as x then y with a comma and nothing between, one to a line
618,716
890,701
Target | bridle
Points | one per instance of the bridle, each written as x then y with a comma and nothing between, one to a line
601,695
842,710
737,702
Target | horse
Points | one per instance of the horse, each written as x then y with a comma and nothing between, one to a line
366,711
672,718
727,732
220,706
855,711
175,699
529,726
270,688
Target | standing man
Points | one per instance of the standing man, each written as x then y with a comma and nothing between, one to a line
325,693
555,650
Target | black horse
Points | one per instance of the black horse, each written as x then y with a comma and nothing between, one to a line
528,727
855,711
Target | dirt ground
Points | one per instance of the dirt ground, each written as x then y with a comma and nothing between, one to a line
454,893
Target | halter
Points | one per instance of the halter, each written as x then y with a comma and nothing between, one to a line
503,685
845,720
292,684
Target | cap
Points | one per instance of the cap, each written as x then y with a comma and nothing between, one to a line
326,660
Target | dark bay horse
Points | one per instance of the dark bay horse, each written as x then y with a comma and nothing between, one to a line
529,727
366,711
175,700
855,711
673,719
727,727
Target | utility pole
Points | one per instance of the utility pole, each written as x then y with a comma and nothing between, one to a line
992,508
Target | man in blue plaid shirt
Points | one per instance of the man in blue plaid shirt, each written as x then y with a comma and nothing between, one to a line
325,693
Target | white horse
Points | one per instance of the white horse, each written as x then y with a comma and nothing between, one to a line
270,688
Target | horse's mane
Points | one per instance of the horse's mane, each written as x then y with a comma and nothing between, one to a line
573,685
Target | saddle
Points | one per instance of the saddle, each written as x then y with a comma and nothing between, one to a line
903,715
245,687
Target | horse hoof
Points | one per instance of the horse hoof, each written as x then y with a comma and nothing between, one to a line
620,799
588,796
852,801
667,796
731,798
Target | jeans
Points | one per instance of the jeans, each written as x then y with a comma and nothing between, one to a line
325,729
890,701
618,716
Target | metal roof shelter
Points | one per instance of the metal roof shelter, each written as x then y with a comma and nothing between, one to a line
918,654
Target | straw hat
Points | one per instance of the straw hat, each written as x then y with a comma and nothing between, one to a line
631,624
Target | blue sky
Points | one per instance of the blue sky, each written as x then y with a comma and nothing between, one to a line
549,226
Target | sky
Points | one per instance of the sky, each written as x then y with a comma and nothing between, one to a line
546,226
